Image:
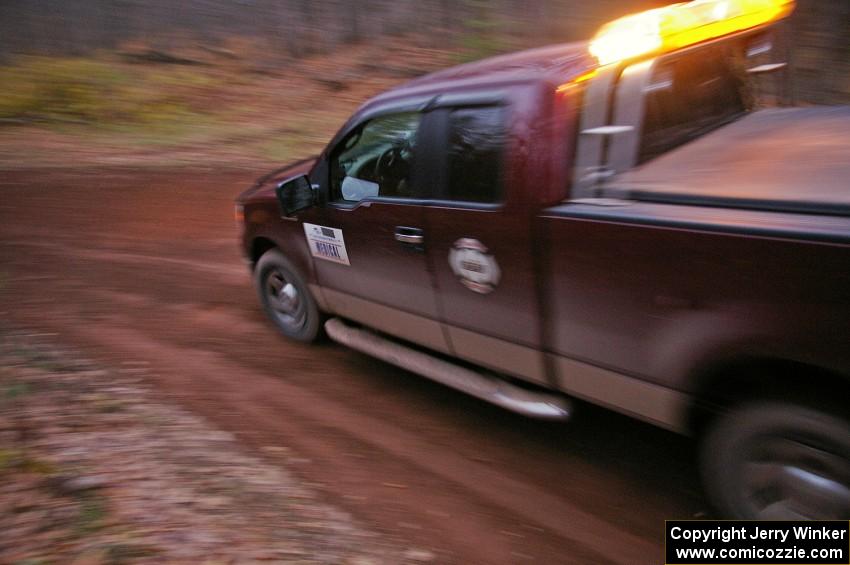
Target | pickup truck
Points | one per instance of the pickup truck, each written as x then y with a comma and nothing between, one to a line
620,222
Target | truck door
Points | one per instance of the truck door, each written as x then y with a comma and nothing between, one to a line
368,248
480,244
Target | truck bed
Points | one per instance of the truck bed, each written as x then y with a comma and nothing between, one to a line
789,160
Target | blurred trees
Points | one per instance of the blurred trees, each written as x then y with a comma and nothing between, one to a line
294,28
820,51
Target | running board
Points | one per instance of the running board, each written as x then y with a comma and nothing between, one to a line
491,389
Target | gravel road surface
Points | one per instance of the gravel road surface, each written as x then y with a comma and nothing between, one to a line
143,266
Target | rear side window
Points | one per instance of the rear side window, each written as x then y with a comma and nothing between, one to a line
689,96
476,147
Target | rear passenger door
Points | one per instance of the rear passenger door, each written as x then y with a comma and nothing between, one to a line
479,243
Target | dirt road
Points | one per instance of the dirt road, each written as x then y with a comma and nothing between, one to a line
144,267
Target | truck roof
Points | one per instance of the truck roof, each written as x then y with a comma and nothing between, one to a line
555,63
786,159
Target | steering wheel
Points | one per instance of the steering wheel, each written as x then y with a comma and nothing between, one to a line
385,163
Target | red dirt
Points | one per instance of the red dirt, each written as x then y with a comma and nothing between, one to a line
144,266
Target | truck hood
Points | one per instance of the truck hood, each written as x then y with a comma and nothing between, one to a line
265,186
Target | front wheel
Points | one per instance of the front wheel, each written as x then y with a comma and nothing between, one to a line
285,297
778,461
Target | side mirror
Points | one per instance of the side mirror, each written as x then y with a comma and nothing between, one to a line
295,194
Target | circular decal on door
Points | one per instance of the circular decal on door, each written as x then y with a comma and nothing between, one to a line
474,266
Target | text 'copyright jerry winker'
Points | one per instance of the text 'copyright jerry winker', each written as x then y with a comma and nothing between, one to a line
692,542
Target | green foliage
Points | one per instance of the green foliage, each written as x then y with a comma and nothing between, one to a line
37,466
76,90
119,553
8,458
69,89
478,46
483,37
279,149
19,460
15,390
92,513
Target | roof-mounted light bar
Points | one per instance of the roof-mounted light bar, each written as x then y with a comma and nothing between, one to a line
680,25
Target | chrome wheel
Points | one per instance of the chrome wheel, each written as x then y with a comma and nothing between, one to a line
285,300
778,461
286,297
793,479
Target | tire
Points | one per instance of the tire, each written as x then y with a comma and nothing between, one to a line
780,461
286,298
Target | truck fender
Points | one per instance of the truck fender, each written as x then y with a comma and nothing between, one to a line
292,243
696,339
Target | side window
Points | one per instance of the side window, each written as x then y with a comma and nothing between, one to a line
376,159
688,97
476,145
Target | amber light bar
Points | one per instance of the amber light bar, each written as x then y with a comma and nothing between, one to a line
680,25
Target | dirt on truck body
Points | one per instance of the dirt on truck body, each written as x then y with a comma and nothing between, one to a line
609,222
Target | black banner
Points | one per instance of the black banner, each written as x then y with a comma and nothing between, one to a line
698,542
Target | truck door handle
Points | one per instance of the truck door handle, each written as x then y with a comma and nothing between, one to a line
409,236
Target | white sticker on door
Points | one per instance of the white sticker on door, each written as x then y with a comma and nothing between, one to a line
326,243
476,268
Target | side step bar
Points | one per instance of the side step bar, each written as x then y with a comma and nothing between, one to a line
492,389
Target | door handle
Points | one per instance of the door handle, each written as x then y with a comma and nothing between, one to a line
409,236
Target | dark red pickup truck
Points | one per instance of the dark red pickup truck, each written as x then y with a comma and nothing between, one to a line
623,228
